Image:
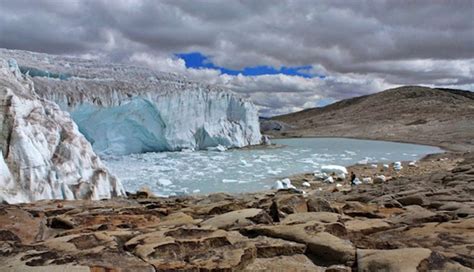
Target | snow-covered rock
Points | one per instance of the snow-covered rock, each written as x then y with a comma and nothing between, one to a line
397,166
356,181
367,180
380,179
337,169
329,180
125,109
43,155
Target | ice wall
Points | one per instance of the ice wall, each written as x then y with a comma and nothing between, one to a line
43,155
124,109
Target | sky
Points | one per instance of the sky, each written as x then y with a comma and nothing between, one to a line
284,55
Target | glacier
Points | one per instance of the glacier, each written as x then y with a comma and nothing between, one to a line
43,154
124,109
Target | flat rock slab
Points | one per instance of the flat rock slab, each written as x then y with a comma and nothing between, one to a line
323,217
325,247
238,219
270,247
193,248
297,262
405,260
367,226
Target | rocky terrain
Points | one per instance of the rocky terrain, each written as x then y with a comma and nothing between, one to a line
441,117
419,219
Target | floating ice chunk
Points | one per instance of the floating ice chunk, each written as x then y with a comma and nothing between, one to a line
196,191
364,161
352,153
164,182
337,169
229,181
220,148
306,184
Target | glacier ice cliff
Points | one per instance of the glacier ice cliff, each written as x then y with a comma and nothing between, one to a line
43,154
126,109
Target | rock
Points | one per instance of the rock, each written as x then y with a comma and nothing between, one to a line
61,222
417,199
297,262
271,247
366,226
323,217
353,208
21,224
338,268
177,219
379,179
318,204
415,214
238,219
306,184
192,248
406,260
321,245
284,204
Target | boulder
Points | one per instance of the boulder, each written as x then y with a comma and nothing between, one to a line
318,204
284,204
416,199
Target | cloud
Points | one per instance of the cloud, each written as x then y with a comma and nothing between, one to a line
361,46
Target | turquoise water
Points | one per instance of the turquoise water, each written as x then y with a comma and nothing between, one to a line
250,170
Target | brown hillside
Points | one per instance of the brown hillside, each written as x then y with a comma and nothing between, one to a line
442,117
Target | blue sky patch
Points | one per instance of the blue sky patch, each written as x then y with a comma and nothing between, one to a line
197,60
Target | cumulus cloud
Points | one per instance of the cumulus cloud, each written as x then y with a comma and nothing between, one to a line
360,46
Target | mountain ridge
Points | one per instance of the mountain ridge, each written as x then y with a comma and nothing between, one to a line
434,116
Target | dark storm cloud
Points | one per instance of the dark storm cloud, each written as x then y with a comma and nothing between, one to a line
361,45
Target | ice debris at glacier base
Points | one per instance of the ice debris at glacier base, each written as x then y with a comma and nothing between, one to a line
126,109
43,155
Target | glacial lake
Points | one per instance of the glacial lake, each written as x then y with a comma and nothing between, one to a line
250,170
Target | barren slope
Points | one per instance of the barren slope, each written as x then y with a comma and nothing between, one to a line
441,117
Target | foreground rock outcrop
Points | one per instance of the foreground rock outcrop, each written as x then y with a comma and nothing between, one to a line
126,109
347,229
43,154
